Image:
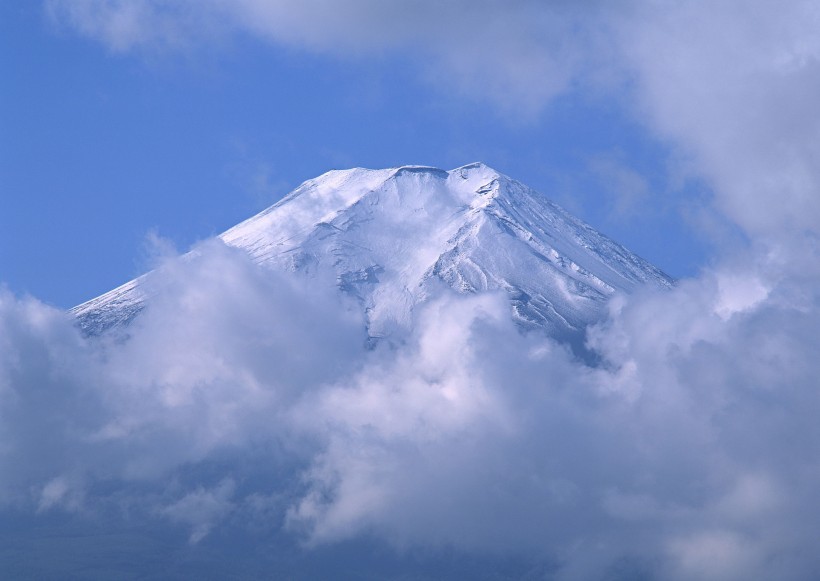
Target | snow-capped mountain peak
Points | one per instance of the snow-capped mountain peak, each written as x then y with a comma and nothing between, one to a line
389,236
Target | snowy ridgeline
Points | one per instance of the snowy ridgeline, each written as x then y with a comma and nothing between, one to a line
390,237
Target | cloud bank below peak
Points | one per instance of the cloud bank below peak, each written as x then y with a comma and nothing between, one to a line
245,408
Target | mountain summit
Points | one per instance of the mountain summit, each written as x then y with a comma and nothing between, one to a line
390,236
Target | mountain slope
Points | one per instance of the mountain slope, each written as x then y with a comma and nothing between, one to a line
389,237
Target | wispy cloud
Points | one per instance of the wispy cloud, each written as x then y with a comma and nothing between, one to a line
524,51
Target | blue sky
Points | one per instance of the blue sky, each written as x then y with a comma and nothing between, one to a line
101,147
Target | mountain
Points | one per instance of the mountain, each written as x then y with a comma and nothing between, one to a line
391,236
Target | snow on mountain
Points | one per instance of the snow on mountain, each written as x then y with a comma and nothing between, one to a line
389,237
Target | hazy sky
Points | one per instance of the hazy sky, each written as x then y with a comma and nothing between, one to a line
241,428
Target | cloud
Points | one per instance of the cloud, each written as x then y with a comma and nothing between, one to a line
524,50
155,26
730,85
246,403
202,509
136,408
